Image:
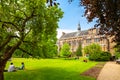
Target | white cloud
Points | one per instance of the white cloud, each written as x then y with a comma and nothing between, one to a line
59,32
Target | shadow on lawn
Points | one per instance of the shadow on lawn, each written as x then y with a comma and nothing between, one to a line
46,73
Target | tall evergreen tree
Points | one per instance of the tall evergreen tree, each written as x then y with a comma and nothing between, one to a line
79,51
65,50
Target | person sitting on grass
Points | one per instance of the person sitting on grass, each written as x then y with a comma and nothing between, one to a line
11,68
22,66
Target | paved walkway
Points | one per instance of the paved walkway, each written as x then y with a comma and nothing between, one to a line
110,71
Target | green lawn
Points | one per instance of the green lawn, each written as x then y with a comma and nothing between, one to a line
49,69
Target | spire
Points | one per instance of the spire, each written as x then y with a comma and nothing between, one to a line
79,28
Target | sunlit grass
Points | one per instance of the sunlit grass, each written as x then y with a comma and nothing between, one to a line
49,69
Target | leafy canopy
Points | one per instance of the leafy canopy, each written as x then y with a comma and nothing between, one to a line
96,54
28,22
65,50
107,13
79,50
93,50
27,27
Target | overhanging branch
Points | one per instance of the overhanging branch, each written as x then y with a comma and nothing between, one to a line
10,50
7,41
28,18
5,22
25,51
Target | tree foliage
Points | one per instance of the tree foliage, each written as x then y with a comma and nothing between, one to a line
79,50
117,51
65,50
104,56
96,54
28,26
107,13
93,50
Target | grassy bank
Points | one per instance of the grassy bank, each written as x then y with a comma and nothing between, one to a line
49,69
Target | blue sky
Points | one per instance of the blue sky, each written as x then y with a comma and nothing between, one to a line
73,14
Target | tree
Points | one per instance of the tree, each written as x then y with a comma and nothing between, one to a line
104,56
93,50
107,13
79,51
117,51
28,26
65,50
96,54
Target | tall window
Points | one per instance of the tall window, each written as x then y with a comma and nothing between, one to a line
69,43
88,40
97,40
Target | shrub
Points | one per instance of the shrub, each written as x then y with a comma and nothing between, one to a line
117,55
79,51
93,50
65,50
96,54
101,56
104,56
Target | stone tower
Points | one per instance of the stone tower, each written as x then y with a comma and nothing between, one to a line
79,28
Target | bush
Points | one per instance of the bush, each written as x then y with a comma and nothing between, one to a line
117,51
65,50
79,51
96,54
102,56
105,56
117,55
93,50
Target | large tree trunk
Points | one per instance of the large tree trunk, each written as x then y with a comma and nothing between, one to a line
6,56
2,66
1,74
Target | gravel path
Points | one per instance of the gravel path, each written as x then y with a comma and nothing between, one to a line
110,71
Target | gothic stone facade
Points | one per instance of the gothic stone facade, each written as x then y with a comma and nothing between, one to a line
85,38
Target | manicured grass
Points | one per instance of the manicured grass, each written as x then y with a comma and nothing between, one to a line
49,69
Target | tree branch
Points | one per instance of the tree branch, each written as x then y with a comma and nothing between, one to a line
22,12
5,22
28,18
24,23
27,32
7,41
10,50
25,51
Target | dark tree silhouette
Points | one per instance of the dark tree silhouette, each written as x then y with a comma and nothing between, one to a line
107,13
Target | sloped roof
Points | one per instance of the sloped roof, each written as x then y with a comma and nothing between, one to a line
74,34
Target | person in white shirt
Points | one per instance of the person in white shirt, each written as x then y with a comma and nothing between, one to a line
11,68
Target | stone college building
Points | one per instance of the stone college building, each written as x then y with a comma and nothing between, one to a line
86,37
